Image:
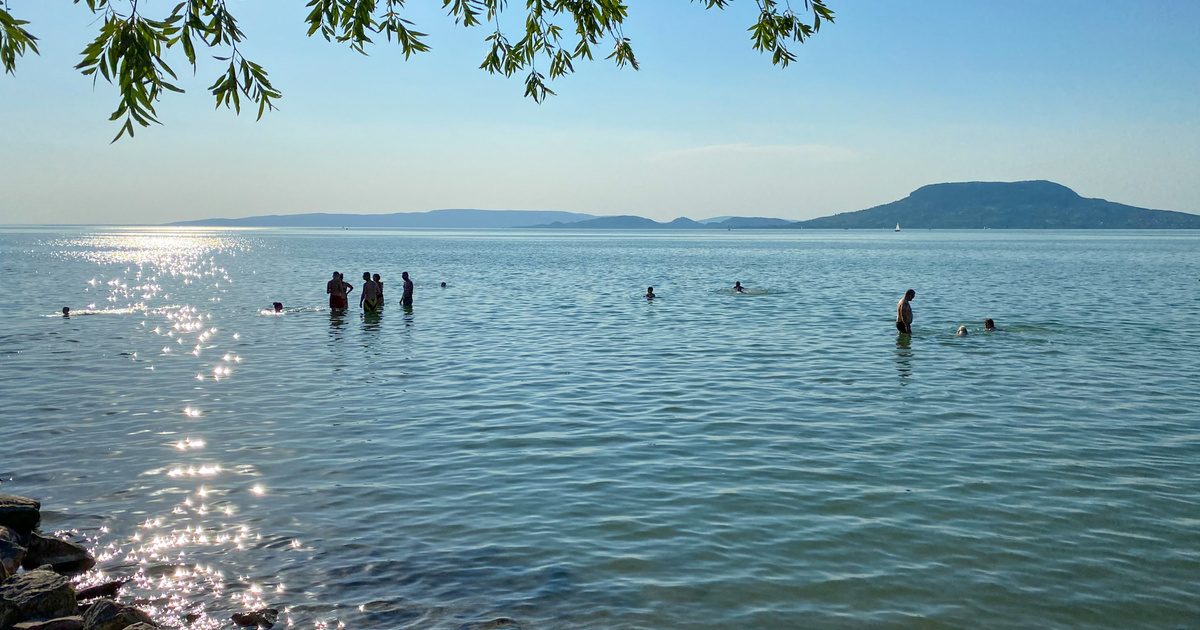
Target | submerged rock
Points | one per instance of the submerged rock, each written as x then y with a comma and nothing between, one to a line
105,614
261,618
107,589
61,623
20,513
35,595
12,551
63,555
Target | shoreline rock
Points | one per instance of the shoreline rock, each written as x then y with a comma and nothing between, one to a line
20,513
34,592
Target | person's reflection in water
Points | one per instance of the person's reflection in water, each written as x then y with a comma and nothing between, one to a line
371,320
337,324
903,358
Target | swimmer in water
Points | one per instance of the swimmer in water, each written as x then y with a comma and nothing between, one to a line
962,331
278,306
66,311
379,286
737,287
989,325
443,285
649,293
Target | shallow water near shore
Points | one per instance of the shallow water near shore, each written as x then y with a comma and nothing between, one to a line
537,442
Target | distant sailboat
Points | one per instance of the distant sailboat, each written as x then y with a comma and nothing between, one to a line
897,227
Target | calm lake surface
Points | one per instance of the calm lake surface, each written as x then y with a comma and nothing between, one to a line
536,442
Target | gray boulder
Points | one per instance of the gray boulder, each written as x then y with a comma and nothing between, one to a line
63,555
61,623
35,595
12,551
105,614
141,626
261,618
20,513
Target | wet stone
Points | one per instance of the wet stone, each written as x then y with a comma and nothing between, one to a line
107,589
35,595
12,551
64,556
61,623
20,513
262,618
105,614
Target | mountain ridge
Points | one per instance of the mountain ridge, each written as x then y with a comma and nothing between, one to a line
1032,204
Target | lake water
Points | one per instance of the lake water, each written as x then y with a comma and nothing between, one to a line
536,442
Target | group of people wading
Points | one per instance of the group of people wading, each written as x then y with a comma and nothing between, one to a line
370,298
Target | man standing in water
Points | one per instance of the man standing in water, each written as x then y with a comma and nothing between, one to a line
337,289
406,299
368,298
904,314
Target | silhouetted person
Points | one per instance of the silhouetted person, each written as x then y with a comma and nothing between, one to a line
406,297
989,325
278,306
379,287
443,285
649,293
904,314
368,298
66,311
337,288
737,286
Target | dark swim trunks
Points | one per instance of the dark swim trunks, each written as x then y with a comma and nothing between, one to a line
338,302
903,328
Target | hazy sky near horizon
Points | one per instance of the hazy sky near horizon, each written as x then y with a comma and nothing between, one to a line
1101,97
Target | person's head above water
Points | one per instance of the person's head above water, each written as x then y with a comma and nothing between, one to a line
66,311
988,324
962,331
649,291
443,285
910,294
278,306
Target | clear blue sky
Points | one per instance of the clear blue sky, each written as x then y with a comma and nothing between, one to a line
1103,97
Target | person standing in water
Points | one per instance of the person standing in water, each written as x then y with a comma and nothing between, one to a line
737,287
368,298
378,287
406,297
337,288
904,314
989,325
649,293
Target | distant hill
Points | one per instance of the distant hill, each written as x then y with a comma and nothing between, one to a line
629,222
624,222
1004,205
431,219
